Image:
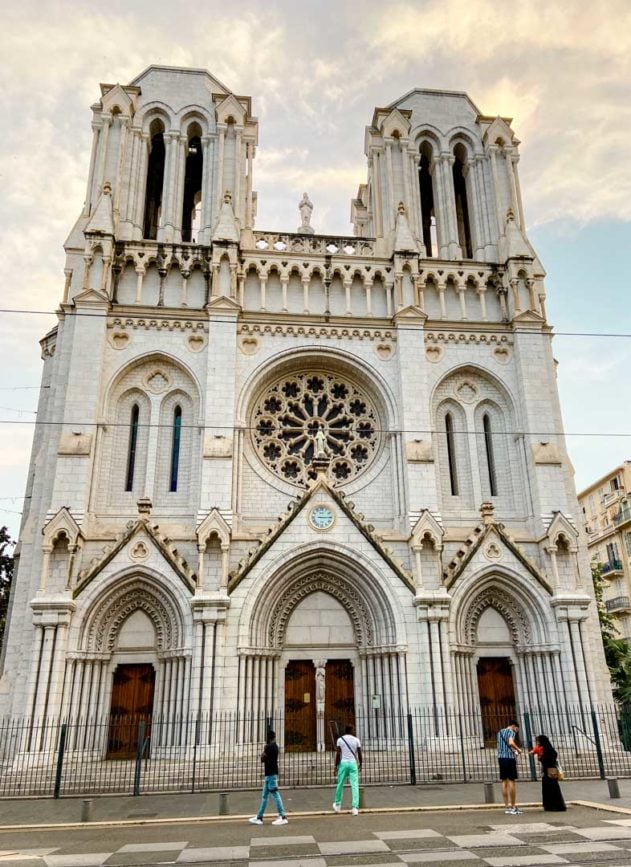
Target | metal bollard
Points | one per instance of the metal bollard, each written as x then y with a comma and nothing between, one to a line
362,798
223,804
86,810
489,793
614,788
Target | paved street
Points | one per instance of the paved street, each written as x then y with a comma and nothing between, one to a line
487,837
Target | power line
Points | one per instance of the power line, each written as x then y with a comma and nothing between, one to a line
447,324
290,429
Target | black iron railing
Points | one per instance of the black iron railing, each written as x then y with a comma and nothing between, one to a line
138,755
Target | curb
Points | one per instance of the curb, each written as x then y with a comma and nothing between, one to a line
303,814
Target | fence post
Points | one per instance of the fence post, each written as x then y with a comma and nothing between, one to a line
139,749
411,751
599,750
195,742
60,760
462,752
531,759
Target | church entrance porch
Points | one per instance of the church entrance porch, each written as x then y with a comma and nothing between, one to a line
132,704
339,702
300,706
319,703
497,695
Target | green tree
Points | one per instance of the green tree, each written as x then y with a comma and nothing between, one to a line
6,576
617,650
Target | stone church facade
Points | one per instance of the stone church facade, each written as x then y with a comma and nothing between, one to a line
286,471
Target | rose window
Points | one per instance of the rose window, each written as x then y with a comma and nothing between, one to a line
291,413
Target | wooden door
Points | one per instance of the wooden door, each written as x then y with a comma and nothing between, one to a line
339,702
300,706
497,695
132,703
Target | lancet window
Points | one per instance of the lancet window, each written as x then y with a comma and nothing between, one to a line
193,173
155,181
462,204
175,447
426,185
133,445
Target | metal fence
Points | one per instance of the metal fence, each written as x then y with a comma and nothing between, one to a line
137,755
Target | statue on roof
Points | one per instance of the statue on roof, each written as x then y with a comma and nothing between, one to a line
305,206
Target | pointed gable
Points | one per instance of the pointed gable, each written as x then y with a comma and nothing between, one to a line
347,507
142,529
492,539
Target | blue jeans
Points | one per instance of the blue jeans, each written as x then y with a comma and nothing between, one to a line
270,787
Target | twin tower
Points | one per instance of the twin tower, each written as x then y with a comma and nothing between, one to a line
296,473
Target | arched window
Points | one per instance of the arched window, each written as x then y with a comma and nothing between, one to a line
451,454
490,459
155,181
175,447
427,200
462,206
192,182
131,450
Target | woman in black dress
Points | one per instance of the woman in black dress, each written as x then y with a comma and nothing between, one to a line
551,794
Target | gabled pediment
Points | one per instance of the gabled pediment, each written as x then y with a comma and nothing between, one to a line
61,522
117,97
395,122
138,532
427,525
412,313
213,523
498,129
489,544
561,526
224,302
231,107
318,494
90,297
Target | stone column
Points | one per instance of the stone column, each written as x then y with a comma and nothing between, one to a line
221,129
141,191
320,687
207,190
89,194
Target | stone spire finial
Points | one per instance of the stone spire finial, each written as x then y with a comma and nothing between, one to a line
305,206
226,228
403,240
102,221
487,511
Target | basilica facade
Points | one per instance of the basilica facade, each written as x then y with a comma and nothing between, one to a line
295,472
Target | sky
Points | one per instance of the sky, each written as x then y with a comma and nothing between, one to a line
315,71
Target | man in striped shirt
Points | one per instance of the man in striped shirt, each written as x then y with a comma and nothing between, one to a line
507,752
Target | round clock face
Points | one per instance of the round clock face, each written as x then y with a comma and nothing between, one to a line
321,518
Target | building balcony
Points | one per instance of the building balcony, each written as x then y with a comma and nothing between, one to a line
611,567
620,603
622,517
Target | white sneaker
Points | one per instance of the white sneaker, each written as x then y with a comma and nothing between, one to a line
355,811
508,811
282,820
255,820
516,811
337,808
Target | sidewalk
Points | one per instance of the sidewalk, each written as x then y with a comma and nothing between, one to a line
173,807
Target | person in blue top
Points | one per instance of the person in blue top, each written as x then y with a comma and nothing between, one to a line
507,752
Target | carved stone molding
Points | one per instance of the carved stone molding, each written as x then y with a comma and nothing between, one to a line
334,586
438,337
515,618
111,613
317,331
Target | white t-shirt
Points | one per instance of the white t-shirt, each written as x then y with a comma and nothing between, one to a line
347,744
